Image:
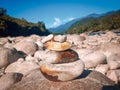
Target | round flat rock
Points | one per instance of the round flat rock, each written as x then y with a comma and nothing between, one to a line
57,46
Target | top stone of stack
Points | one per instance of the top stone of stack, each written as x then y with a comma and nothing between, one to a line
57,43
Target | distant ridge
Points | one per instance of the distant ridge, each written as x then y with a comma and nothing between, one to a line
62,28
92,22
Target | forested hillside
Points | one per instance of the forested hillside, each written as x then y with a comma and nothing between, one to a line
109,21
10,26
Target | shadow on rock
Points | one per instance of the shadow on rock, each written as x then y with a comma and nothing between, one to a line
84,74
110,87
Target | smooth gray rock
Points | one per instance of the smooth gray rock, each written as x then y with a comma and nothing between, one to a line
8,55
27,47
90,80
7,80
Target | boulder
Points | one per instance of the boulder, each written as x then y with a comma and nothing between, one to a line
7,80
7,56
40,55
26,47
47,38
3,41
22,66
75,38
60,38
108,48
83,52
36,81
57,46
60,57
114,75
90,39
114,64
111,34
62,72
35,37
40,44
103,68
19,38
114,61
94,59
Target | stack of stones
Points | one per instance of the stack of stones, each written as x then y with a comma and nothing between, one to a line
60,62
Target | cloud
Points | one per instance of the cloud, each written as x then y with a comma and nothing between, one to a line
70,19
57,21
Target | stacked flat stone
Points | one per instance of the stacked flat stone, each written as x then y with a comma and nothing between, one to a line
60,62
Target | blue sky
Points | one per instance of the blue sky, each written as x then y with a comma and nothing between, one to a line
56,12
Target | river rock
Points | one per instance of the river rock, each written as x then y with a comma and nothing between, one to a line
108,48
40,54
62,72
22,66
114,75
114,61
47,38
111,34
83,52
36,81
3,41
76,39
57,46
114,64
103,68
60,57
19,38
35,37
26,46
7,56
7,80
94,59
40,44
60,38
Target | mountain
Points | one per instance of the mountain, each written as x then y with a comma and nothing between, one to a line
95,15
10,26
62,28
93,23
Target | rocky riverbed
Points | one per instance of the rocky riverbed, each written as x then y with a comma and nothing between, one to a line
60,62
